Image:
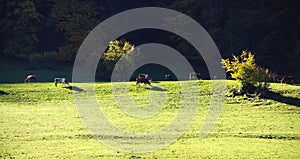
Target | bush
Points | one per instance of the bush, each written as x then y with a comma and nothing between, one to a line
114,52
252,78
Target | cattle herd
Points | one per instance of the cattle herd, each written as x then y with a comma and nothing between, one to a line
146,79
33,78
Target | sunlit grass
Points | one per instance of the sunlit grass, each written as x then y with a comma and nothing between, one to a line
38,120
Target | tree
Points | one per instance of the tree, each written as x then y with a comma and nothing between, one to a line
253,79
19,27
74,19
114,52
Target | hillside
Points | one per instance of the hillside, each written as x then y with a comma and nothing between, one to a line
39,120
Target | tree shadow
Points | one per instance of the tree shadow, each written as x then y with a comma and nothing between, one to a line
154,88
74,88
3,93
280,98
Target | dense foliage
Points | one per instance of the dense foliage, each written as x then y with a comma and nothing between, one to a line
269,28
116,49
253,79
19,28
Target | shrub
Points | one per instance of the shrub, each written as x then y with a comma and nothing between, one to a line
252,78
114,52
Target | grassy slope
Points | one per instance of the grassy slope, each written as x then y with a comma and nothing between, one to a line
40,121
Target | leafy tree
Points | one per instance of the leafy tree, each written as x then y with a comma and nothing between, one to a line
253,79
114,52
19,27
74,19
28,28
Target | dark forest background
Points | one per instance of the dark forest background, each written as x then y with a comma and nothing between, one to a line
51,31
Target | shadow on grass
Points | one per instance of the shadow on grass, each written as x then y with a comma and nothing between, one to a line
155,82
74,88
3,93
154,88
280,98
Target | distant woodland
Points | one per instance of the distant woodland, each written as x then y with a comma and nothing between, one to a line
39,31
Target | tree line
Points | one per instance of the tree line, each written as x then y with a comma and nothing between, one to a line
52,30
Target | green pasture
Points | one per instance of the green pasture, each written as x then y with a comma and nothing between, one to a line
39,120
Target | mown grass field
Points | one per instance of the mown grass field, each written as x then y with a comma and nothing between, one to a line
38,120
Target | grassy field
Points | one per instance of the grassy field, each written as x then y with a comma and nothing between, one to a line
38,120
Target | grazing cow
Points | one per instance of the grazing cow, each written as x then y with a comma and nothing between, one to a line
168,77
282,79
276,78
194,76
288,80
61,80
143,78
30,78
